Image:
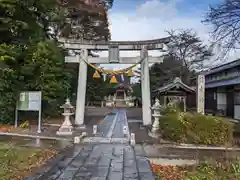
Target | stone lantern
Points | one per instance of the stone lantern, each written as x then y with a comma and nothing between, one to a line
156,114
66,127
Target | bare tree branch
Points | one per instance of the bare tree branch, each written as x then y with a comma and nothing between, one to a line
225,19
186,47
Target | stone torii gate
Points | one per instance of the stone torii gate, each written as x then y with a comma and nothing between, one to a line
114,48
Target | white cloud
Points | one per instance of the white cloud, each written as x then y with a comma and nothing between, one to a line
151,19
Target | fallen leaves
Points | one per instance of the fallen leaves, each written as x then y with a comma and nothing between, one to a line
168,172
6,128
18,162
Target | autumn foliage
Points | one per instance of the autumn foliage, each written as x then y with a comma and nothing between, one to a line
167,172
6,128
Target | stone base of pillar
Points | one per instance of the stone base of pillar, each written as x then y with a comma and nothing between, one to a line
155,135
83,126
64,131
66,128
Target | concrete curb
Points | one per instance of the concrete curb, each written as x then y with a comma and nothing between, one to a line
34,136
54,125
189,146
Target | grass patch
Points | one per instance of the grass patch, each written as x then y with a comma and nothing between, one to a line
17,162
204,171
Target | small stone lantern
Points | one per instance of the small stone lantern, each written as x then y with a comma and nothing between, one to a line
156,114
66,127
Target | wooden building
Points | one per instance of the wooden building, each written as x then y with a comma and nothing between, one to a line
222,89
176,92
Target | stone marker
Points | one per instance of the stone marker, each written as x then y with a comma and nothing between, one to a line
84,134
76,140
94,129
132,139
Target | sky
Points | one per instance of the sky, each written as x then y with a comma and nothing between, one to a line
149,19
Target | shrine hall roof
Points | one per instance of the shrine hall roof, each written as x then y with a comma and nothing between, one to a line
176,83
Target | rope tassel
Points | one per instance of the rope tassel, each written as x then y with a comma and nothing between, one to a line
96,75
130,73
113,80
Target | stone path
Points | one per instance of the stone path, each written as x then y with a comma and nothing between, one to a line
111,130
103,161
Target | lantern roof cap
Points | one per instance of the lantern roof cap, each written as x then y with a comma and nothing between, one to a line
67,105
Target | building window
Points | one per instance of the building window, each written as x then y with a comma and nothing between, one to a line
237,98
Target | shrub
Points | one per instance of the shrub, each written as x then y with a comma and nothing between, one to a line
215,171
195,128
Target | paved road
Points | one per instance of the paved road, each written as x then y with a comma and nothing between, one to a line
103,161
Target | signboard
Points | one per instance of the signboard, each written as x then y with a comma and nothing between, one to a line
200,94
29,101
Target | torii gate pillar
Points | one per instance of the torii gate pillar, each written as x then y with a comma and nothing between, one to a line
145,86
81,89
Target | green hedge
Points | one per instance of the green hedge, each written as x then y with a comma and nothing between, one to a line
185,127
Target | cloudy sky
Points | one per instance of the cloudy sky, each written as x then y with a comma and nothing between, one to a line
149,19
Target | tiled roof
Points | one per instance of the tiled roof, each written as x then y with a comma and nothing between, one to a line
177,83
223,67
226,82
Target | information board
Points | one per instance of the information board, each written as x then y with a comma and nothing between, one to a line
30,101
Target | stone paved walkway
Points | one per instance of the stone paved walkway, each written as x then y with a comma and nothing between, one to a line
111,129
103,161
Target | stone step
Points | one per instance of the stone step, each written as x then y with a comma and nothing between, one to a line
105,140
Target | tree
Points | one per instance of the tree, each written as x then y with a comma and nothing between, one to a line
186,47
225,18
30,57
86,20
46,61
161,73
24,20
96,88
